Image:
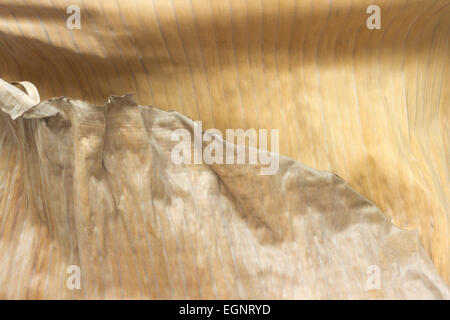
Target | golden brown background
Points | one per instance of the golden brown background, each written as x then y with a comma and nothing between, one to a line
369,105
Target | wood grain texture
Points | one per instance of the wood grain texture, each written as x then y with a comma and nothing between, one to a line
369,105
96,187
